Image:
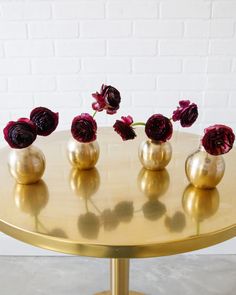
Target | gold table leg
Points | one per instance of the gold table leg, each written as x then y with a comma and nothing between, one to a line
119,278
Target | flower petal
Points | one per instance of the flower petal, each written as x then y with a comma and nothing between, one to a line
45,120
20,134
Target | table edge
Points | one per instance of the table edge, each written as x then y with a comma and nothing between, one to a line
111,251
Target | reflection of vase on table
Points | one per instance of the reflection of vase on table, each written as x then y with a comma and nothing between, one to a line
200,204
31,199
153,184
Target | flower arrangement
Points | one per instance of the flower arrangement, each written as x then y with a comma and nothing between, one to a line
23,132
205,167
84,126
156,153
83,150
26,162
159,127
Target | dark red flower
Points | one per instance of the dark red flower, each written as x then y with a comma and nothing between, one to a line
108,99
218,139
124,129
159,128
186,113
84,128
20,134
45,120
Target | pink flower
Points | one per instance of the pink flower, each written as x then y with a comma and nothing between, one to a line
84,128
108,99
45,120
20,134
218,139
159,128
186,113
124,129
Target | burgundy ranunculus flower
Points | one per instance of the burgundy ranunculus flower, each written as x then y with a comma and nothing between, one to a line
20,134
84,128
159,128
218,139
108,99
45,120
124,129
186,113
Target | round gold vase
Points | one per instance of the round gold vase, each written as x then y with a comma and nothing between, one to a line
83,155
204,170
26,165
155,155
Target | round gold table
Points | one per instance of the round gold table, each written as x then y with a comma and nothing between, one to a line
117,210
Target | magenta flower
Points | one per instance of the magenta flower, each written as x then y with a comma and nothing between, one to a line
218,139
20,134
84,128
186,113
124,129
159,128
45,120
107,99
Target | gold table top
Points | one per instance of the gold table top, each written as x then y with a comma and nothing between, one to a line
117,209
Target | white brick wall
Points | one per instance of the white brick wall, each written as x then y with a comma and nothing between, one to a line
56,53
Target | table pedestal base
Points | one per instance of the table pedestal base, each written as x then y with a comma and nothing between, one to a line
119,278
109,293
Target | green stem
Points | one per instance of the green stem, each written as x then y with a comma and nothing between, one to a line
94,114
138,124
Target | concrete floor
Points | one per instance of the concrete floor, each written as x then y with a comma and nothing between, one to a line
179,275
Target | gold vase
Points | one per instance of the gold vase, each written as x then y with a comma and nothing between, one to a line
204,170
83,156
155,155
27,165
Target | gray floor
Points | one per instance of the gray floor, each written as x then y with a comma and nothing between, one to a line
179,275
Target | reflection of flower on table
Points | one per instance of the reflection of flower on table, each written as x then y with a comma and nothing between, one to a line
85,183
32,199
200,204
155,184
